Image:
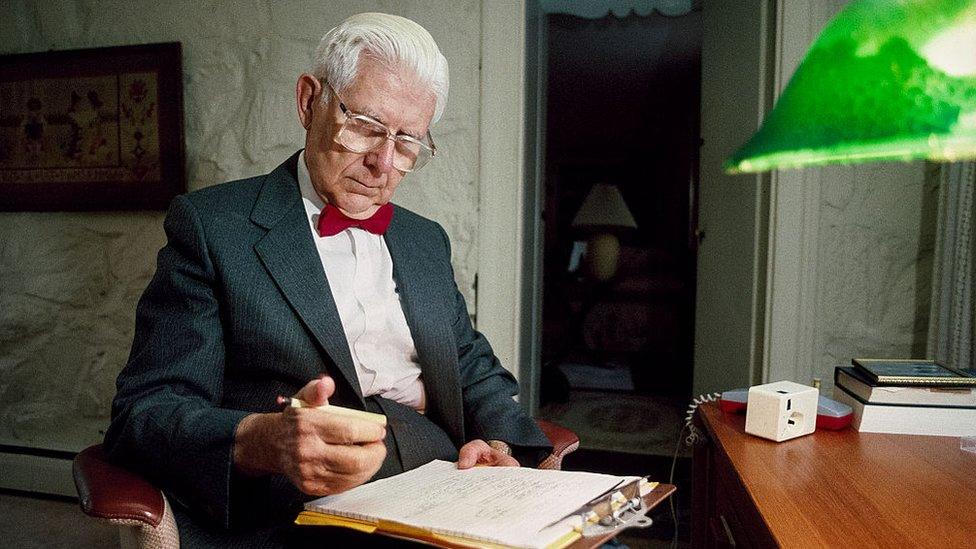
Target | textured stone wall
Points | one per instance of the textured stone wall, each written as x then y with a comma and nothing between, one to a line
874,267
69,282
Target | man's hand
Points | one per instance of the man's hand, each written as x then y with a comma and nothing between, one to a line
320,453
477,452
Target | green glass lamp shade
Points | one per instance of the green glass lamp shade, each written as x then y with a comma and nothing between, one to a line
886,80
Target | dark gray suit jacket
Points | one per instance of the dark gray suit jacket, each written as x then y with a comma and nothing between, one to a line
240,311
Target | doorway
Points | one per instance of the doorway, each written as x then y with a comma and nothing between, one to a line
622,128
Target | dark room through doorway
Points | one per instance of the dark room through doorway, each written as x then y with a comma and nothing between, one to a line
621,158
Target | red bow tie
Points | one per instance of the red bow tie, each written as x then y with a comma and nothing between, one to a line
332,221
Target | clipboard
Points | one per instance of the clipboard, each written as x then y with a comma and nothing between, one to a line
619,508
622,507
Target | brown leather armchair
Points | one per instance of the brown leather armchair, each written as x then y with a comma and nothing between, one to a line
119,496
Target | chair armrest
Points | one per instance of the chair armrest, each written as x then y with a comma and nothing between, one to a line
563,442
108,491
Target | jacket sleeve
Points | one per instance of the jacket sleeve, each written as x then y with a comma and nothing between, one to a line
166,422
490,412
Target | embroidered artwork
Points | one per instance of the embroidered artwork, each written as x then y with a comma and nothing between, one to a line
60,129
90,132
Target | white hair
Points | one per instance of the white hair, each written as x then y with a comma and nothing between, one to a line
394,41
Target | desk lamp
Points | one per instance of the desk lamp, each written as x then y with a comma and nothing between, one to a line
602,215
886,80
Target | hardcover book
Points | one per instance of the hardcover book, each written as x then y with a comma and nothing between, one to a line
913,372
858,383
948,421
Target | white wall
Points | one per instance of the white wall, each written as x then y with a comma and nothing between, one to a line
69,282
732,208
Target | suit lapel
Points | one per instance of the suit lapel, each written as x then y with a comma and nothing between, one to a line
288,252
430,328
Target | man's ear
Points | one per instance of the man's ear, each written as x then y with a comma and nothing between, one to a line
307,91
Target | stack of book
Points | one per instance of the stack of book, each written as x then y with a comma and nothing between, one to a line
912,397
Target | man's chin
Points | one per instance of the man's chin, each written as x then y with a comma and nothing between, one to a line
355,211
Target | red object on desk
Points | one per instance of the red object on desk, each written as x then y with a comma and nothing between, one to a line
828,415
730,406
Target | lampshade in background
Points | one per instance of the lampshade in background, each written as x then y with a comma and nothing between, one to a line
886,80
603,214
604,207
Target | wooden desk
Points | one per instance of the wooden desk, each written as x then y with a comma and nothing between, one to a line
830,489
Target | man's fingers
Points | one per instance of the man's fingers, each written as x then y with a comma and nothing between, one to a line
337,468
477,452
467,460
505,460
335,429
323,452
350,430
353,459
473,452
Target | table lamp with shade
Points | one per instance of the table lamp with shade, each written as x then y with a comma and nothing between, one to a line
601,218
885,80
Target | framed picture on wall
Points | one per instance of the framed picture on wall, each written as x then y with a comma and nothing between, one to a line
92,129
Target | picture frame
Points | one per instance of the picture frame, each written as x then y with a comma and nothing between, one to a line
92,129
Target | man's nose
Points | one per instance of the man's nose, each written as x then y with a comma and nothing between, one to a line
381,158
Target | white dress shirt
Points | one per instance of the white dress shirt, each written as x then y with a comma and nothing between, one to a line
360,273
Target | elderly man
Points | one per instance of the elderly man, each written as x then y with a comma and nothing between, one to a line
307,281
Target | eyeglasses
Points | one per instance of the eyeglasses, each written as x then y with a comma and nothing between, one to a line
361,134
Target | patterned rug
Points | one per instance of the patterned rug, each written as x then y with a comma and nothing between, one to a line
621,422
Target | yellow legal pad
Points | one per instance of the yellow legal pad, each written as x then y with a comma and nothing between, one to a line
394,529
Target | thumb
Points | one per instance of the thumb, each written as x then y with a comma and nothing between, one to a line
324,390
317,391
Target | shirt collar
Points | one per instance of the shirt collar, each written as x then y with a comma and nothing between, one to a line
311,197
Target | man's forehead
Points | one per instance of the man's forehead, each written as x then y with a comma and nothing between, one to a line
392,96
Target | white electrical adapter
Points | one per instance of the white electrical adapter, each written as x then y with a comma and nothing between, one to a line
782,410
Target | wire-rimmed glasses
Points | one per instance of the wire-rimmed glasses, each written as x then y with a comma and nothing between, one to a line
361,134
